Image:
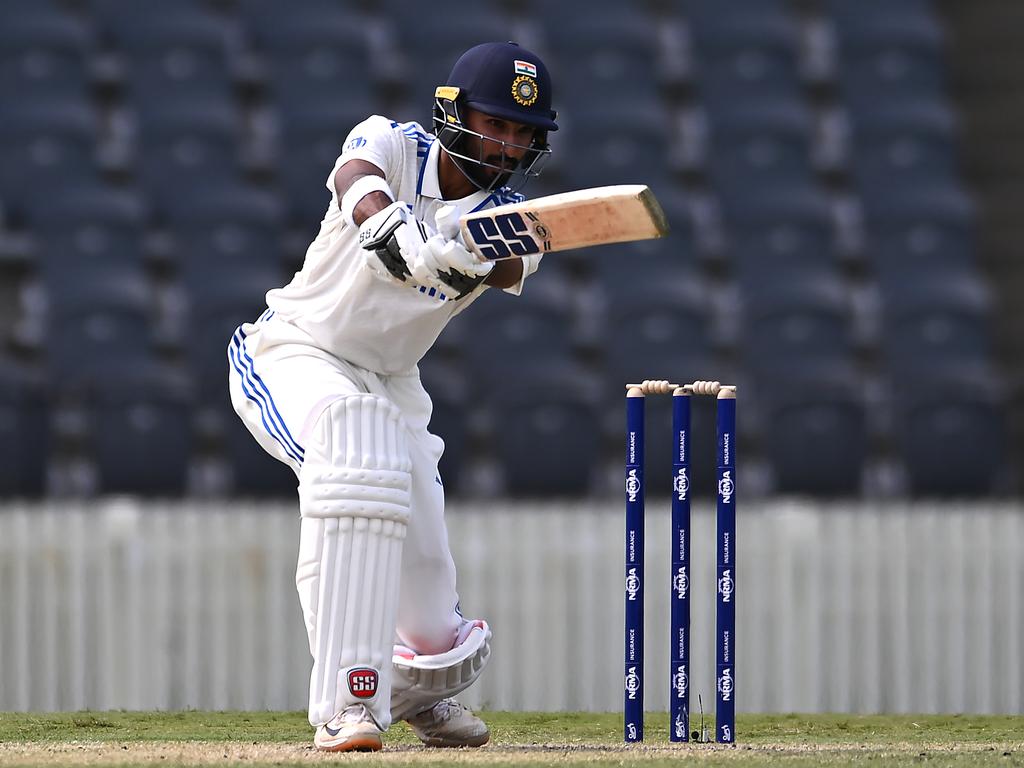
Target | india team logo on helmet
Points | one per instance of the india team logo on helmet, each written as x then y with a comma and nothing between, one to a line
525,67
524,90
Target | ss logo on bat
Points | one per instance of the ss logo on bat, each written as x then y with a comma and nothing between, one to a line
504,235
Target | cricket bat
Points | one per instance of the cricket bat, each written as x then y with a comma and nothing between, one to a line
596,216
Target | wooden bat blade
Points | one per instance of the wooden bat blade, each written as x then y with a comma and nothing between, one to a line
578,219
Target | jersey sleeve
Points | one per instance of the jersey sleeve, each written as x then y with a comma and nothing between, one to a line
375,141
530,265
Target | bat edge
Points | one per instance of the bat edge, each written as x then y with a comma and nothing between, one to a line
655,211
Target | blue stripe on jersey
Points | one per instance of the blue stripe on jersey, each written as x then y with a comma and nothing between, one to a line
503,196
422,139
423,167
256,391
432,292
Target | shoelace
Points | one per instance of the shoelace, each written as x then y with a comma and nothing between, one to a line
354,714
446,709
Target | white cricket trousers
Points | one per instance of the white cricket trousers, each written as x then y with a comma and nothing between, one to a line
280,385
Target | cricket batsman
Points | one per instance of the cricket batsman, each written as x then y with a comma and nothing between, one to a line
327,382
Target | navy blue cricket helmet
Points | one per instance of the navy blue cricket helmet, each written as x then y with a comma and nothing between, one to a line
502,80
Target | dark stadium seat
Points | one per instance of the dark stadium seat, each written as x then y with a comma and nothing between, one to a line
253,471
187,146
951,429
814,429
311,141
756,145
221,231
908,144
612,52
710,11
45,144
434,40
325,51
265,20
940,316
796,321
25,429
913,231
852,9
448,391
44,52
778,232
99,322
887,56
744,56
505,337
626,268
556,17
172,52
547,429
89,226
657,325
141,435
127,12
216,309
615,147
653,319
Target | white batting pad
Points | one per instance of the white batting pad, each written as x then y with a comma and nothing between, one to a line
354,490
421,680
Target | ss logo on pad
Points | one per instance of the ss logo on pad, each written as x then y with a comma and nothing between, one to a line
362,682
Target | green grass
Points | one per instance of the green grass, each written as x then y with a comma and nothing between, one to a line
259,739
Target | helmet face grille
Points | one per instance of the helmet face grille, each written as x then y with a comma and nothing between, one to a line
455,137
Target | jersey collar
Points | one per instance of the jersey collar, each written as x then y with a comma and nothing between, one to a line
429,184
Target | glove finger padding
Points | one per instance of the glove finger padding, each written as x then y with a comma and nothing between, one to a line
456,267
425,266
393,239
446,221
400,246
449,255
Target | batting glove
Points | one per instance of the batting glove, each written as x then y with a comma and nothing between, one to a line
392,239
446,259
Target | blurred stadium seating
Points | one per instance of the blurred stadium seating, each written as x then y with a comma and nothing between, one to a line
162,165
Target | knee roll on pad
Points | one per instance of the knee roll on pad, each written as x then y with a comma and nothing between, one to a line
357,462
354,491
421,681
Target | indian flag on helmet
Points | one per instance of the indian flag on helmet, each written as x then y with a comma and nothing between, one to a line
525,68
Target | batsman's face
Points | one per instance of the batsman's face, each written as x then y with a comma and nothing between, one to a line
504,143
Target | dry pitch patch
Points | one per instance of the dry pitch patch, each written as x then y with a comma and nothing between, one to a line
519,739
259,755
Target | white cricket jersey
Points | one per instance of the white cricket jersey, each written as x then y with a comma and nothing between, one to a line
339,301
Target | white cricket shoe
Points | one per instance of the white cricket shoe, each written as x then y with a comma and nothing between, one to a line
352,730
449,724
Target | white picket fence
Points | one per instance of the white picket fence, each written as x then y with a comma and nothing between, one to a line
863,607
